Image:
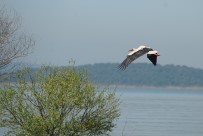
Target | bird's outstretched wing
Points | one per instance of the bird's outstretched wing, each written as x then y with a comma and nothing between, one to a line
152,58
132,57
126,62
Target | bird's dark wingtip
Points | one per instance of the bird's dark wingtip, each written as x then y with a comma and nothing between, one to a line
154,64
121,67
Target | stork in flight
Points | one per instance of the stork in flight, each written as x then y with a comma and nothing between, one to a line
135,53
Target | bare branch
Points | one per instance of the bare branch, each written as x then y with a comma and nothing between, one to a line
13,42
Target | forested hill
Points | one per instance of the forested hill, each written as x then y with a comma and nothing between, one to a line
142,74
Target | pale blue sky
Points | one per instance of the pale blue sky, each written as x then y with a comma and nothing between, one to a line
94,31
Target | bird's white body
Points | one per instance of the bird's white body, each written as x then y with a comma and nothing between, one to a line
133,50
152,52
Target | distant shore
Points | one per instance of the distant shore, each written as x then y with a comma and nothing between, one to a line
156,87
114,86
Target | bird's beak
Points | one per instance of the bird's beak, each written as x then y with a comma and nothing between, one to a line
157,54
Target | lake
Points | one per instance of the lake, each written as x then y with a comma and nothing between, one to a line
160,112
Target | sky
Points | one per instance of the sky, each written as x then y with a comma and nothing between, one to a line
102,31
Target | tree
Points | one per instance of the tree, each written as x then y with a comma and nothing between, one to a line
13,42
57,102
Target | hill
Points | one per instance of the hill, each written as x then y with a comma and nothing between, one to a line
142,74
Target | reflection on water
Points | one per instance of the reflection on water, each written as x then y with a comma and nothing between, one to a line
160,113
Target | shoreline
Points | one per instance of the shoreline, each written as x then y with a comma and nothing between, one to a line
200,88
114,86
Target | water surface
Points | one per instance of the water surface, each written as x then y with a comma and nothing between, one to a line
160,112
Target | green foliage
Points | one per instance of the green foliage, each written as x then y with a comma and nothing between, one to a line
57,102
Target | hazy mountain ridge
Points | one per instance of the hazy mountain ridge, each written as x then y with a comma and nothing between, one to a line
144,74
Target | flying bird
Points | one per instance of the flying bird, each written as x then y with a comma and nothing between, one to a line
135,53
